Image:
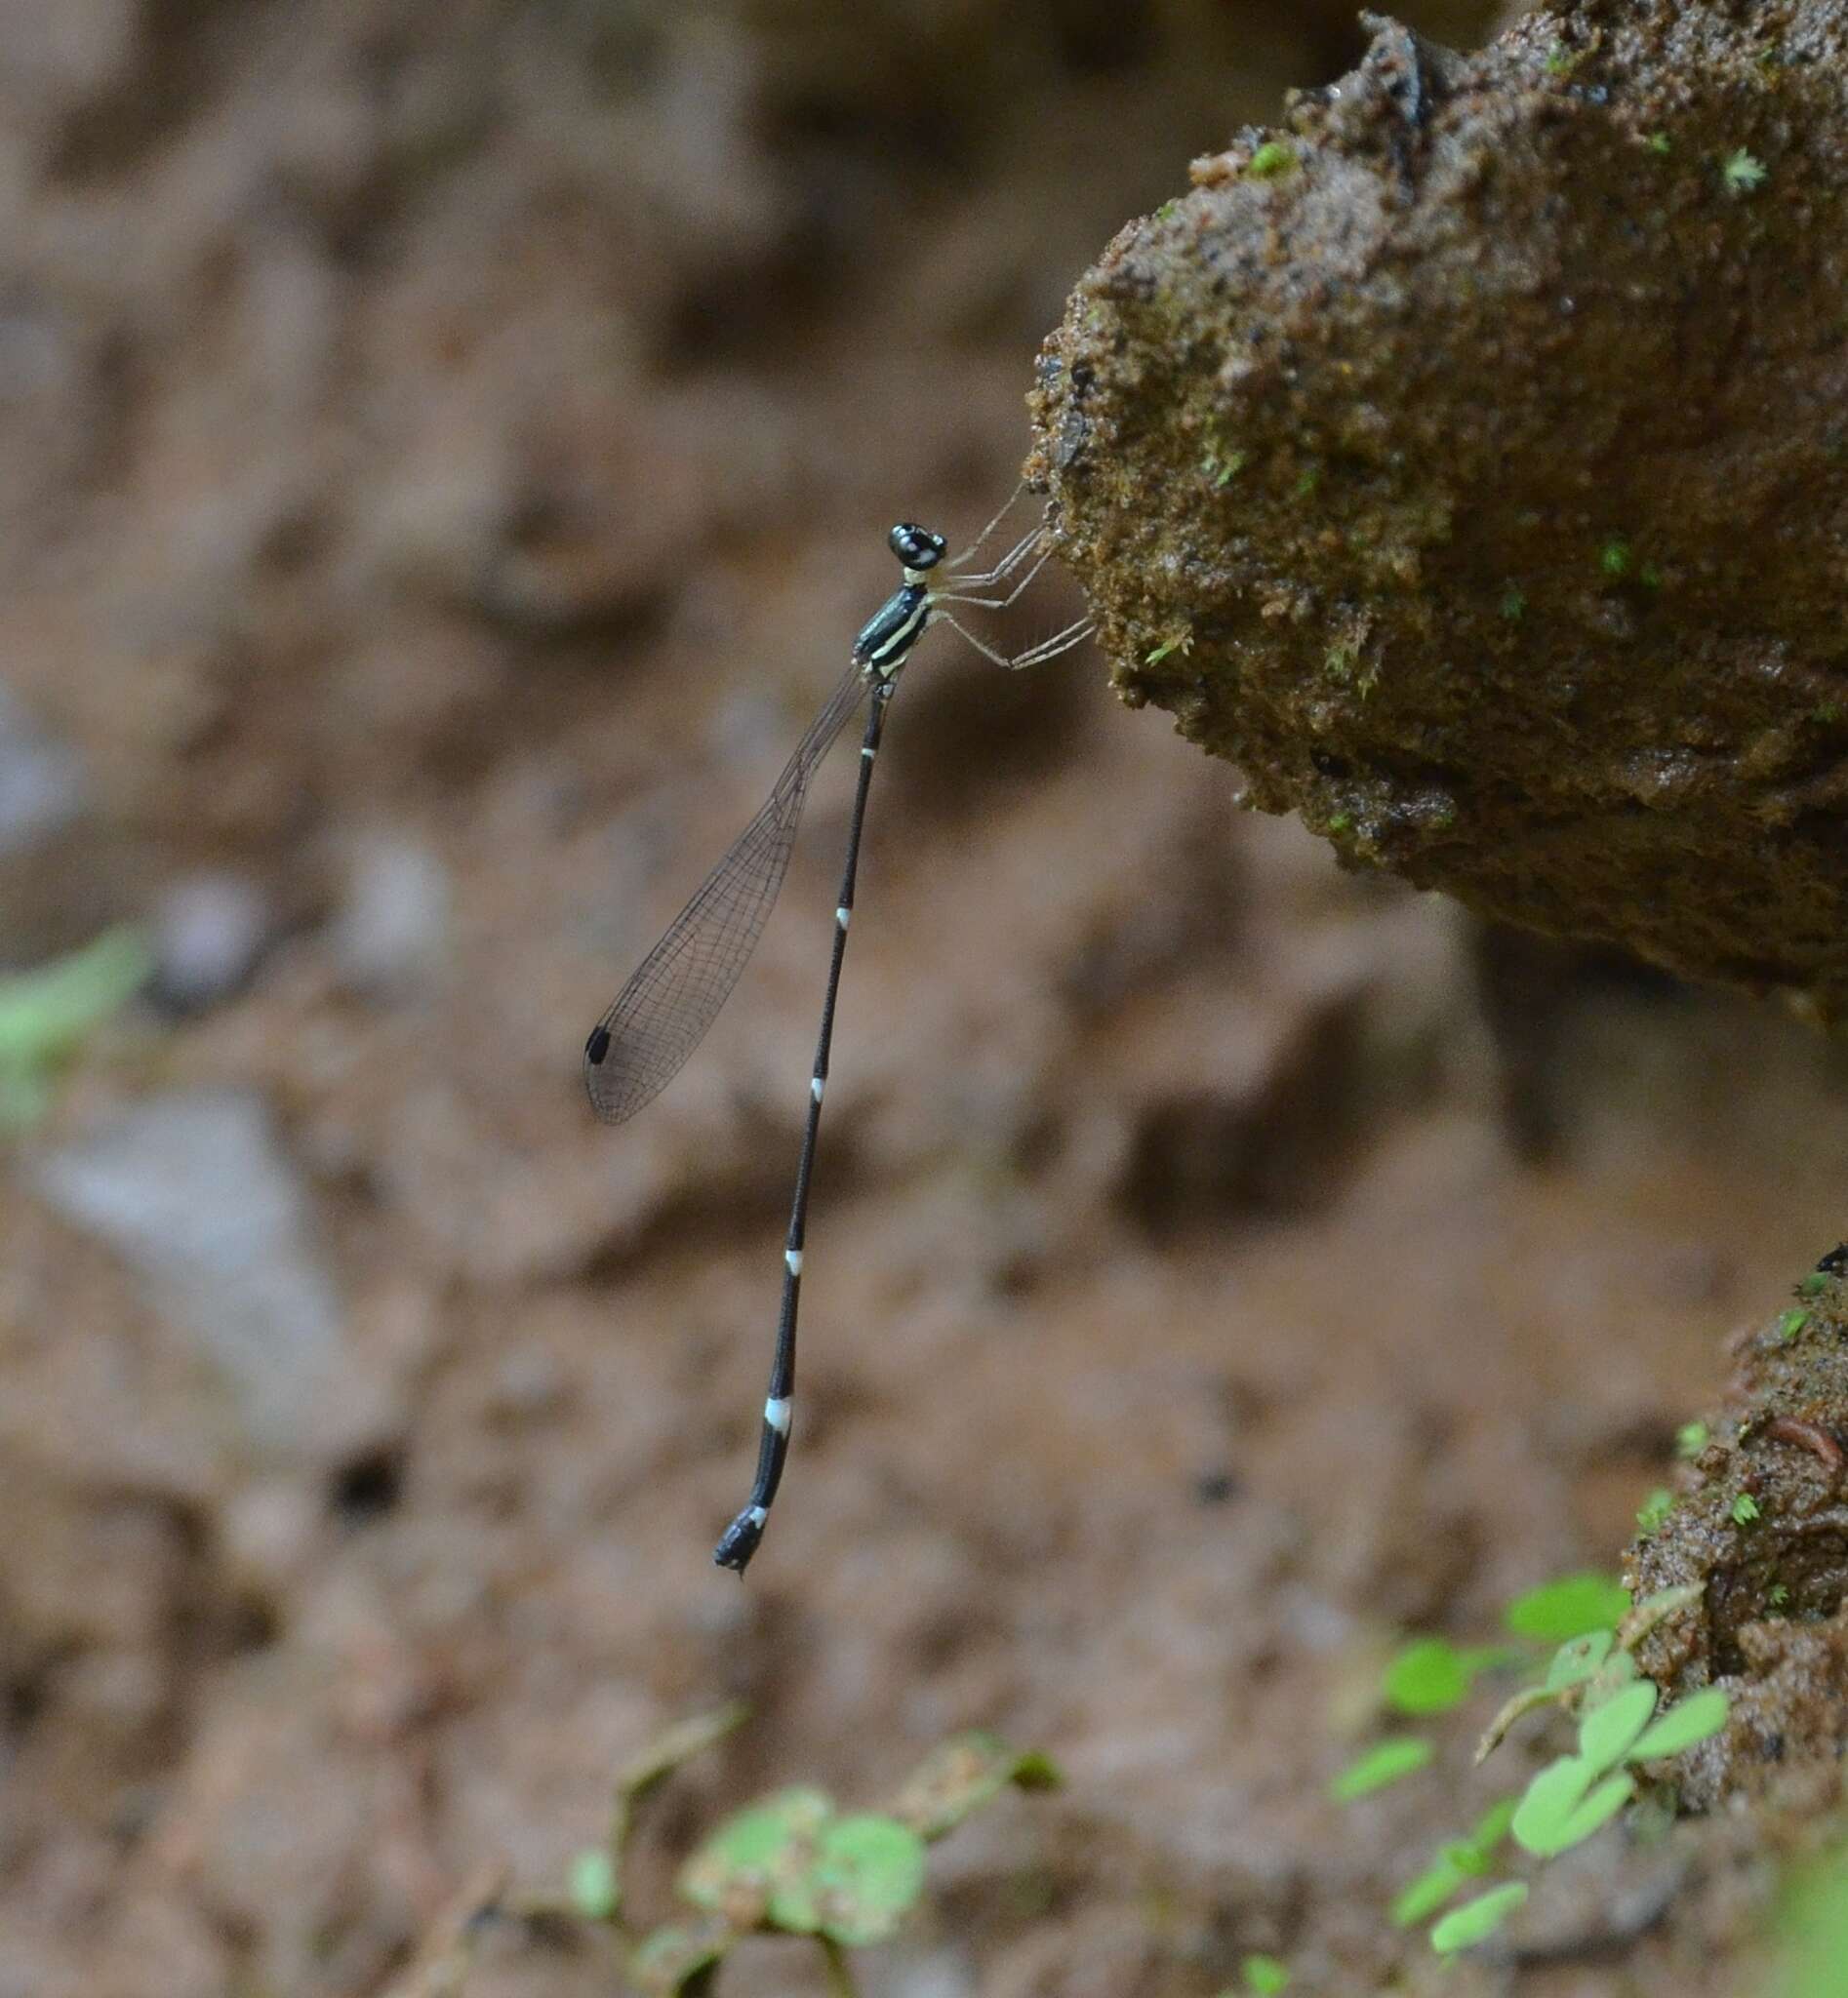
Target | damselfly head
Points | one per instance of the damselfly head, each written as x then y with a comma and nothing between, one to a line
917,546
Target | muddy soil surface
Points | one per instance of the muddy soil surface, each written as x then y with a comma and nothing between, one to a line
445,453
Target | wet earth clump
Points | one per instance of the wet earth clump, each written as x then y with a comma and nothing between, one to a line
1468,459
1763,1532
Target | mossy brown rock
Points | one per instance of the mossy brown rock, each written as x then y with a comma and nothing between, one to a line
1761,1531
1468,461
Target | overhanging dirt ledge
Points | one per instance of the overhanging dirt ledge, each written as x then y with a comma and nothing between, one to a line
1468,459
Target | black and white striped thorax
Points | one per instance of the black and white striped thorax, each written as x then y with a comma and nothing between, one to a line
898,624
893,629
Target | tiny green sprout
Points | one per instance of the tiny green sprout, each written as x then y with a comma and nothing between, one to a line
1156,654
1593,1672
752,1853
1339,662
1695,1719
1560,61
1224,470
1745,1510
1778,1595
865,1873
593,1886
1265,1975
1570,1798
1167,211
1608,1730
1386,1762
1514,605
1272,160
1431,1676
1565,1804
1568,1608
1660,143
1614,557
1426,1894
1617,1671
1813,1285
46,1013
1491,1829
1654,1509
790,1862
1743,172
1649,576
1690,1440
1577,1660
1477,1920
1459,1860
1812,1928
1791,1322
1341,822
1307,482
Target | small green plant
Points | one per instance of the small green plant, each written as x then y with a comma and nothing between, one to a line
592,1888
792,1864
1224,467
1514,605
46,1013
1591,1665
1817,1282
1745,1510
1592,1675
1430,1675
1156,654
1654,1509
1265,1975
1307,482
1813,1929
1743,172
795,1864
1791,1322
1455,1862
1478,1919
1690,1440
1573,1797
1660,143
1570,1607
1386,1762
1272,159
1614,557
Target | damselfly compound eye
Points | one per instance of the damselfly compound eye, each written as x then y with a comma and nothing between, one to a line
917,546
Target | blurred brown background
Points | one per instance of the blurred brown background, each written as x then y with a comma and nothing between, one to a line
444,453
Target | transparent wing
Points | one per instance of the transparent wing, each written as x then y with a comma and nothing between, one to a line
662,1015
